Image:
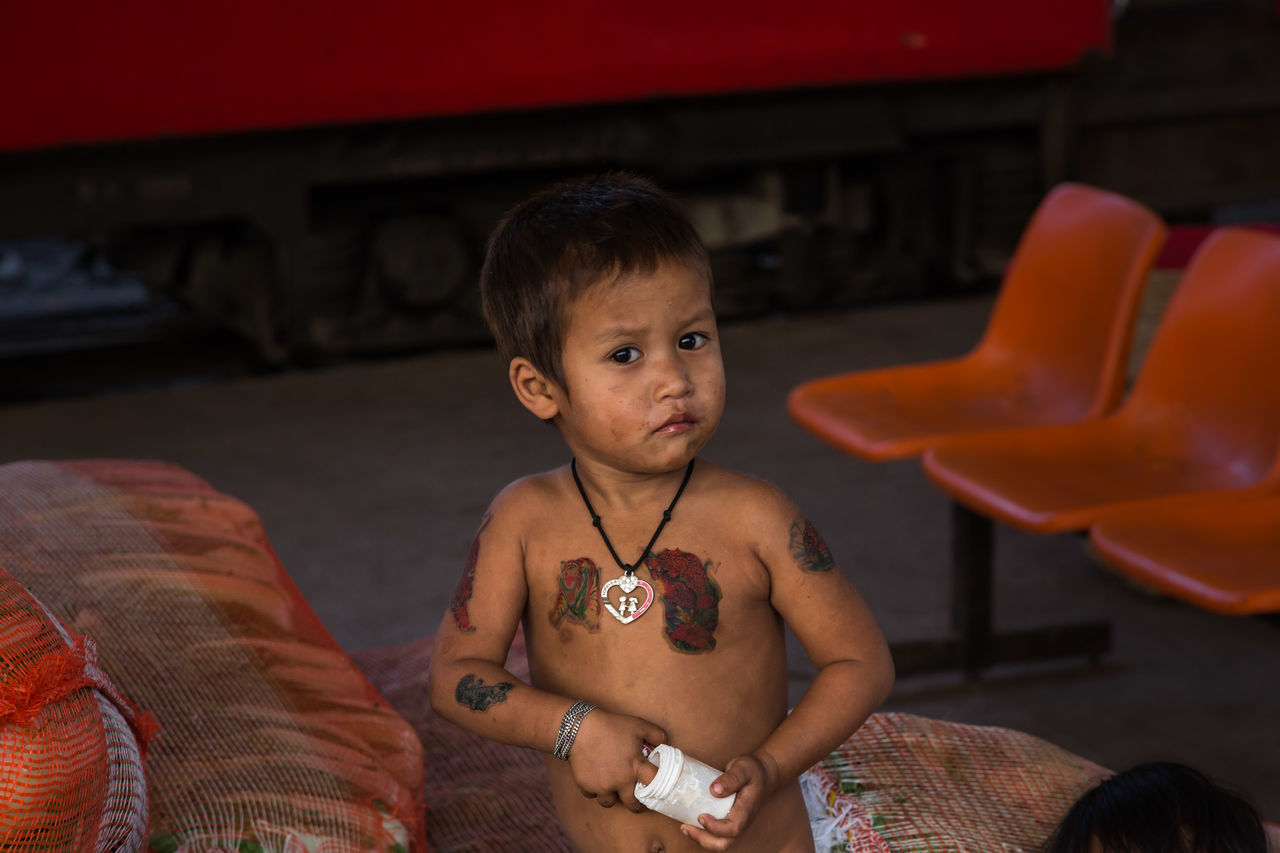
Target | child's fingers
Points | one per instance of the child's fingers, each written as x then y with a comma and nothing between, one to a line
645,772
627,796
705,839
727,827
740,813
738,774
728,782
652,734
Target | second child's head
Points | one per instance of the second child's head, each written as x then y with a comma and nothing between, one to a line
1159,807
598,292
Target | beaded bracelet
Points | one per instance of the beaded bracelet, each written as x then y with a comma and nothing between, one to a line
569,728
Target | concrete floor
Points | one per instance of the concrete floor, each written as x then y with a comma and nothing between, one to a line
371,478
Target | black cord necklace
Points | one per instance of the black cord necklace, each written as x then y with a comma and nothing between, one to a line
629,610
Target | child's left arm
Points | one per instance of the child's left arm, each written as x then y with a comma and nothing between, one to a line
855,670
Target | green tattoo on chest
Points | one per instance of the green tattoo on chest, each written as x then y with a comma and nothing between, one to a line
578,594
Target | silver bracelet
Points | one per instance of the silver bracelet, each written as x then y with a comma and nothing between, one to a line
569,728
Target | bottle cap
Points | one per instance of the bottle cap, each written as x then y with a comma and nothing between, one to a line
669,761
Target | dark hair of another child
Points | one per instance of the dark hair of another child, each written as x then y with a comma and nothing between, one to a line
554,246
1159,807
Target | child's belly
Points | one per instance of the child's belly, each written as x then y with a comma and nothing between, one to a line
711,717
780,825
715,704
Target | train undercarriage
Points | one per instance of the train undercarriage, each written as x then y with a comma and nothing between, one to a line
348,240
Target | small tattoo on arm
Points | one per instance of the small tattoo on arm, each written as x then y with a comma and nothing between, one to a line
808,549
462,595
478,696
578,595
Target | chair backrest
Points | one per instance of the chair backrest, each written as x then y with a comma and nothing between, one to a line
1071,293
1211,378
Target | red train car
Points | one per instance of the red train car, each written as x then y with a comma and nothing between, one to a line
90,73
321,176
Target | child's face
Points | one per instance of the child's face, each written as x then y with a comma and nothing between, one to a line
642,369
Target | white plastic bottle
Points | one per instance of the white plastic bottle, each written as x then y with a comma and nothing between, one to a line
682,787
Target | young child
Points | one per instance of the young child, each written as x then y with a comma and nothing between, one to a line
1159,807
662,621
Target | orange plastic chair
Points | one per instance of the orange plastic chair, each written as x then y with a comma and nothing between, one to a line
1221,555
1054,351
1204,416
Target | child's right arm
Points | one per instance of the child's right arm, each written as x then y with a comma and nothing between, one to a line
469,685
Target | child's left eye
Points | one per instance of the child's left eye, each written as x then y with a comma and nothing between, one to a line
692,340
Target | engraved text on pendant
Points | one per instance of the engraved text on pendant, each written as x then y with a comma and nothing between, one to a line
628,609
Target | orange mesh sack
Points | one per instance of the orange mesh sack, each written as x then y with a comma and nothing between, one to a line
273,741
481,795
907,784
71,747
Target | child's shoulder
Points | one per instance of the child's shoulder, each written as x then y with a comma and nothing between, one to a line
750,499
522,512
530,494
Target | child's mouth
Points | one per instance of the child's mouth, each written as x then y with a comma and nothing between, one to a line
676,425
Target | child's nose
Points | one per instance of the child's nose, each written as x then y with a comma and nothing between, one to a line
673,379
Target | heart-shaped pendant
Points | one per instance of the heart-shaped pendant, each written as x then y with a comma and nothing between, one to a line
628,609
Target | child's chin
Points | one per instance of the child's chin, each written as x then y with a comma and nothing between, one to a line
675,461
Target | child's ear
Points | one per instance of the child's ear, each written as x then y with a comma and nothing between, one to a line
534,391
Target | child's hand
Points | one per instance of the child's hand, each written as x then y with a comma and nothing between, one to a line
752,778
606,757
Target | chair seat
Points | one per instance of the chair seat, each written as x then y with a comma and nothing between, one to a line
1054,349
1202,416
899,412
1059,478
1222,555
1053,353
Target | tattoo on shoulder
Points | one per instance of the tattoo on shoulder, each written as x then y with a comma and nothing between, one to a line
478,696
462,595
808,549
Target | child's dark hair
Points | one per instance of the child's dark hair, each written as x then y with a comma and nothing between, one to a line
1159,807
554,246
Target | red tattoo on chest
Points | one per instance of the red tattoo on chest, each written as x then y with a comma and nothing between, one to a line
466,584
690,599
578,594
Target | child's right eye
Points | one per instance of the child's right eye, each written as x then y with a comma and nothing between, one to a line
626,355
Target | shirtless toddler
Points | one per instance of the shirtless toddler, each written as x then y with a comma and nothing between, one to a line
666,614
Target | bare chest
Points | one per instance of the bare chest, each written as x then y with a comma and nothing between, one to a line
686,595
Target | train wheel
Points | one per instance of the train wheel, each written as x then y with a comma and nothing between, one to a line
420,262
